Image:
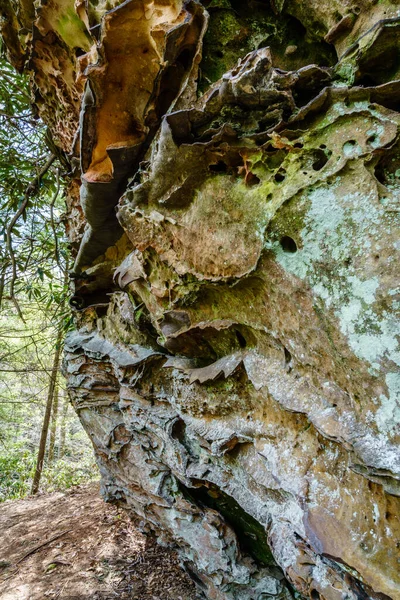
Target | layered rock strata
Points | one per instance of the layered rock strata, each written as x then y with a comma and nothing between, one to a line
234,360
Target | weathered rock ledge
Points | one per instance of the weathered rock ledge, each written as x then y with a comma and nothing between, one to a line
235,359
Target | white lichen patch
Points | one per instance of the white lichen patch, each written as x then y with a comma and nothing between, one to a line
340,233
388,415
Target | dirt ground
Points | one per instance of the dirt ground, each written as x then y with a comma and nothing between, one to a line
73,546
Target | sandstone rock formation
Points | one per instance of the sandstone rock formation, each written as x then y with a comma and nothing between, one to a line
235,360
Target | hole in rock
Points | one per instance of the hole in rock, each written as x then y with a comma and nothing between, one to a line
263,44
178,430
252,179
320,160
380,174
366,81
241,339
315,595
220,167
99,299
288,357
76,302
280,176
185,58
351,148
288,244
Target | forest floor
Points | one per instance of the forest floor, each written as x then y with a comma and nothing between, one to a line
74,546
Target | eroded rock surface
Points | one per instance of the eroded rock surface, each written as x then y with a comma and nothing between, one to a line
235,359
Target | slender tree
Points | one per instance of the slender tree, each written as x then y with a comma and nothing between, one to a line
53,425
63,421
46,419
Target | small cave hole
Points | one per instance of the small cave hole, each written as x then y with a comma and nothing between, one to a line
298,145
252,179
219,54
288,360
220,167
178,430
315,595
288,356
76,302
288,244
372,138
263,44
356,9
323,146
241,339
79,52
320,162
380,174
280,176
185,58
367,81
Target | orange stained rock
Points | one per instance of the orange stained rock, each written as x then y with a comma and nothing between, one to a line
124,83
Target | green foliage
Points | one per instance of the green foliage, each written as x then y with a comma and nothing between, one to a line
33,285
30,179
17,468
26,354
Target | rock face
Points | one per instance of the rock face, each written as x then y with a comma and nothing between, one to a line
234,360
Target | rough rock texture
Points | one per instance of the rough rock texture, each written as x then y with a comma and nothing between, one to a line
235,360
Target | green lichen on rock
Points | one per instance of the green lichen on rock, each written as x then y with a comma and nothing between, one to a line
235,358
72,31
236,29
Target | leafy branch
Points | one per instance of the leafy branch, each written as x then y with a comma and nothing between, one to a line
30,190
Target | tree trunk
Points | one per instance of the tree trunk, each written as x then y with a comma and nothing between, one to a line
53,425
233,229
46,419
61,443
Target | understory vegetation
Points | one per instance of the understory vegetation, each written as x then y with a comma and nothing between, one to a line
34,314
